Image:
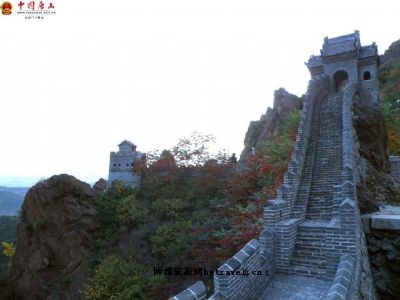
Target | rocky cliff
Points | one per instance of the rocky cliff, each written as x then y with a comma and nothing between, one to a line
54,237
376,189
270,122
392,55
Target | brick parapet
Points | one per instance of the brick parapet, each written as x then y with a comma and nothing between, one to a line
244,276
347,195
286,235
344,279
196,291
354,259
250,271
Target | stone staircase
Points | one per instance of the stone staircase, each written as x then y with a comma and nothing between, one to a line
327,158
321,172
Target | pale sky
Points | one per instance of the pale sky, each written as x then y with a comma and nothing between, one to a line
77,83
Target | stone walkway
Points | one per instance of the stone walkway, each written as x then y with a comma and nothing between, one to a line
293,287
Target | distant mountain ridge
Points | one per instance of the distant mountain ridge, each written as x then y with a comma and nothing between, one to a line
16,190
11,199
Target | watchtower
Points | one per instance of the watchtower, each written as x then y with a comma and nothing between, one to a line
343,60
122,163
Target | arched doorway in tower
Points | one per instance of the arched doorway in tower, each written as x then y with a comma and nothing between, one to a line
340,78
367,75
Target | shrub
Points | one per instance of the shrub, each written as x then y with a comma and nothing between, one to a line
390,108
8,249
394,73
128,212
292,122
169,239
115,278
169,208
115,212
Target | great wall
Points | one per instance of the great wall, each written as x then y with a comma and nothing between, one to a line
313,243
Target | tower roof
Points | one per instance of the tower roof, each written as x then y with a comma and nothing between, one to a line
369,51
341,44
314,61
127,143
342,48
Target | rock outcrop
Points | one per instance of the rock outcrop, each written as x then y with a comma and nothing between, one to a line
100,185
384,253
391,55
259,131
58,219
377,187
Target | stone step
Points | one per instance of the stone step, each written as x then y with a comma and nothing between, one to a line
322,164
313,217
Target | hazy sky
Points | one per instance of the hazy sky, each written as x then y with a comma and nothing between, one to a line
74,85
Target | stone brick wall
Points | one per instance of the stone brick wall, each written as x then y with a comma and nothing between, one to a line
395,167
121,167
382,234
353,277
251,261
349,65
344,278
366,288
196,291
244,276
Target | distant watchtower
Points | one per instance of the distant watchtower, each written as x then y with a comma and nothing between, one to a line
343,60
121,164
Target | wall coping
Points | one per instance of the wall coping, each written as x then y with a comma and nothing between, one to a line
390,222
393,158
